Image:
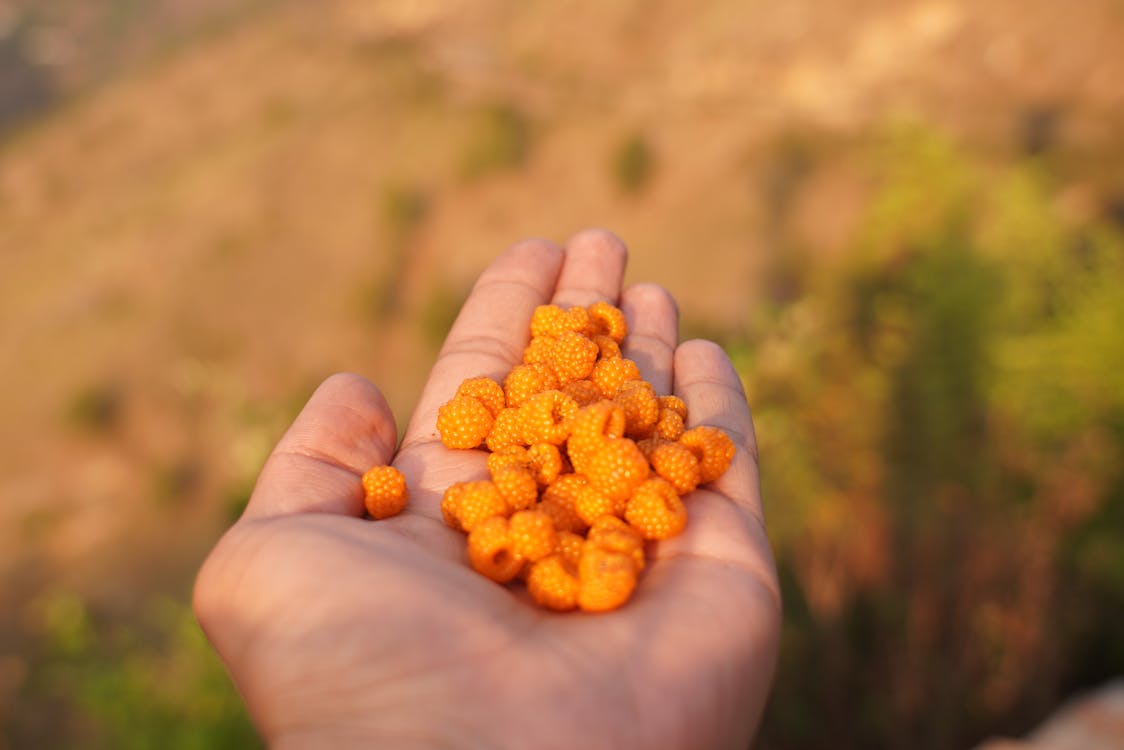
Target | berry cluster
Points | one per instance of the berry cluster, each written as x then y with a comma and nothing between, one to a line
587,462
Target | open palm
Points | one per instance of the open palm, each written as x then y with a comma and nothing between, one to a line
344,632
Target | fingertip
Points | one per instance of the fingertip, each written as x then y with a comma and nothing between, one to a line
653,331
345,428
594,265
534,253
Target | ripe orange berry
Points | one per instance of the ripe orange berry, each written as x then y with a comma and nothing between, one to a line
385,492
487,390
641,409
466,504
611,533
585,392
490,550
532,534
655,510
526,380
507,431
607,348
516,485
573,356
464,422
553,583
546,417
617,468
559,499
570,547
552,320
608,374
592,426
669,426
713,448
606,579
674,403
546,462
676,464
591,503
609,320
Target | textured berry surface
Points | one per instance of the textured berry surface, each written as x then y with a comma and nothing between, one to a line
546,462
553,583
559,501
526,380
532,535
546,417
713,448
517,486
606,579
591,503
676,464
617,468
464,422
641,409
608,320
469,503
655,510
609,374
573,356
611,533
585,392
591,427
669,426
385,492
507,431
490,550
486,390
607,348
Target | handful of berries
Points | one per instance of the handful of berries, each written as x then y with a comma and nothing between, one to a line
586,462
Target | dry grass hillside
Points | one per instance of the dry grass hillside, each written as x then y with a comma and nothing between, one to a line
189,247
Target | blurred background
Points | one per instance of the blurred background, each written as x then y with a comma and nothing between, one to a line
904,220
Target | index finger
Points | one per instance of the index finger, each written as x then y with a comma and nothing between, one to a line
491,330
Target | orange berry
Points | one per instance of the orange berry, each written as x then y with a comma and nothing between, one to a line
464,422
585,392
570,547
526,380
669,426
553,583
546,462
559,499
608,374
552,320
641,409
539,351
606,347
611,533
573,356
674,403
546,417
592,426
510,455
713,448
487,390
607,319
385,492
507,431
655,510
466,504
591,503
676,464
516,485
532,534
617,468
490,550
606,579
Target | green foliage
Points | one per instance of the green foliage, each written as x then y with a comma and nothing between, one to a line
633,164
940,415
499,140
153,683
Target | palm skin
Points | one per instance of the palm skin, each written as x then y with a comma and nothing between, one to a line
343,632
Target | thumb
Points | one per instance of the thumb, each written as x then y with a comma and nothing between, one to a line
345,428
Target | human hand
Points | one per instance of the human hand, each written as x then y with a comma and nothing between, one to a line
342,632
